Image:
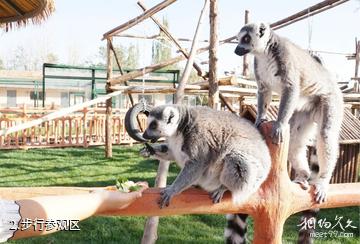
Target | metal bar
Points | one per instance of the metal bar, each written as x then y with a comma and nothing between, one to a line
93,84
43,85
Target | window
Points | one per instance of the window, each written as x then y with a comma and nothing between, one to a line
40,95
76,98
148,98
11,98
120,101
64,99
169,99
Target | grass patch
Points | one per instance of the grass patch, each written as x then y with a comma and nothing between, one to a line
88,167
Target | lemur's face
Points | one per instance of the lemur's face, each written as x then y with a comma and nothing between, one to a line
252,39
163,121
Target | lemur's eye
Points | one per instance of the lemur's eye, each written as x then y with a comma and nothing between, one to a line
246,39
171,116
153,125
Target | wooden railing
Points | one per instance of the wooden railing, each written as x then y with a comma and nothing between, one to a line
83,128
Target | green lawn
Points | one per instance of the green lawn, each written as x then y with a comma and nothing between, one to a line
88,167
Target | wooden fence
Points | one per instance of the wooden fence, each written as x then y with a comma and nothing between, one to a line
84,128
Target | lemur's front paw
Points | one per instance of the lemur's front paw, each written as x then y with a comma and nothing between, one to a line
218,194
147,151
165,196
258,122
320,190
302,178
276,133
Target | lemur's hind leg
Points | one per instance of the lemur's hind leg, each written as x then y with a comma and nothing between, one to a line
302,129
327,146
239,175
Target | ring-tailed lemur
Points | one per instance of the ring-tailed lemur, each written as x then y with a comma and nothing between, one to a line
310,101
216,150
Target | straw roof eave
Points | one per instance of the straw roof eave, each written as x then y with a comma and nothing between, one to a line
17,13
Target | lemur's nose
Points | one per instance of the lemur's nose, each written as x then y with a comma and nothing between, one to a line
241,51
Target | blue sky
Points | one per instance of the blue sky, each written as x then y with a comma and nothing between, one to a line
75,30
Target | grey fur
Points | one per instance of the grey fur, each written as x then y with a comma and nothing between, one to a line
309,97
215,149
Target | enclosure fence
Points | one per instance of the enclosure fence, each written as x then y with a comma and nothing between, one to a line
81,129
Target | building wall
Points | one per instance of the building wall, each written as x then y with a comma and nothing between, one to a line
53,97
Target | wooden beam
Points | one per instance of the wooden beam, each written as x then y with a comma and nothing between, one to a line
300,15
165,30
158,37
186,74
138,19
310,11
139,72
213,100
227,104
357,58
245,71
194,200
108,120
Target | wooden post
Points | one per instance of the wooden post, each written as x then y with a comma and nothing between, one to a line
85,127
245,71
151,225
357,63
214,43
186,74
108,126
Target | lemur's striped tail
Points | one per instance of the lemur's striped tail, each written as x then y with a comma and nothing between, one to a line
236,228
305,234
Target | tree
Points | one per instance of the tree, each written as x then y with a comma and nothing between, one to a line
161,49
128,57
20,60
132,60
2,66
51,58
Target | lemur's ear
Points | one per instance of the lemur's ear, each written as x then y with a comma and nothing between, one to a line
262,29
171,116
168,114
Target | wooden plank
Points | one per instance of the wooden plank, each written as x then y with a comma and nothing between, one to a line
138,19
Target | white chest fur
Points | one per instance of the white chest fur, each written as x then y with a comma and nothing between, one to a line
175,144
266,70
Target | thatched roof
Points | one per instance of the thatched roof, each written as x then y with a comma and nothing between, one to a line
16,13
350,128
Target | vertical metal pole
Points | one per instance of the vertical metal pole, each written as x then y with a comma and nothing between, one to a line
43,85
92,84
